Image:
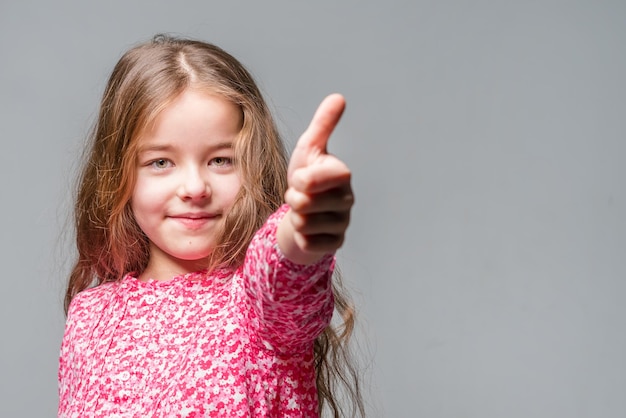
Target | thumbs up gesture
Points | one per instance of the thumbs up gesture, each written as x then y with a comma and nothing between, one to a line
319,193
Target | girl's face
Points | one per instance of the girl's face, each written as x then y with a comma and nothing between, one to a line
186,181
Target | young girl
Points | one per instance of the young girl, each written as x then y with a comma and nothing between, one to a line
197,292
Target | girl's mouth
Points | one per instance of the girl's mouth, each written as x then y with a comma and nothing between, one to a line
194,220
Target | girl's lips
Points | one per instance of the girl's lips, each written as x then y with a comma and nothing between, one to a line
194,215
193,220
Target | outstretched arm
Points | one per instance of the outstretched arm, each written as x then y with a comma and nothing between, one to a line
319,193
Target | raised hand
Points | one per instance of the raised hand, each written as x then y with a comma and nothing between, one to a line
319,194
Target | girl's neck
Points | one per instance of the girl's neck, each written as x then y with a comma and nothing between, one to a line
162,266
166,268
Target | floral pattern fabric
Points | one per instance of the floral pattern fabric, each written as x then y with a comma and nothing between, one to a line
221,344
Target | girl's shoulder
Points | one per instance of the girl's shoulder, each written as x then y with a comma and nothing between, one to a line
97,291
93,297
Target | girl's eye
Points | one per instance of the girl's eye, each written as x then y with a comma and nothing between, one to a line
160,164
220,161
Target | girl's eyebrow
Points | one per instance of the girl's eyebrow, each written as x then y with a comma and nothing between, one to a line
155,147
169,147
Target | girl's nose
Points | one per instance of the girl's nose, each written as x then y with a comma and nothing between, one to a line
193,185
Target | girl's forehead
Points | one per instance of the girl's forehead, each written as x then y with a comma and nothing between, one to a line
193,116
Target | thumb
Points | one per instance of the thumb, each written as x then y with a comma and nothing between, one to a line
313,141
324,121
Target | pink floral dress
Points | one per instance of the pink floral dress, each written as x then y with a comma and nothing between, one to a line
221,344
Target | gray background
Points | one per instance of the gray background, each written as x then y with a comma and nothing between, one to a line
487,251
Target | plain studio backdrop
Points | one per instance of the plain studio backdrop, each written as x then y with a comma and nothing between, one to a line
487,250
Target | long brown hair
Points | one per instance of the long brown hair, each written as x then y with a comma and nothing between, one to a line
110,243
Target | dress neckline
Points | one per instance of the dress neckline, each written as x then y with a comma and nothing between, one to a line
192,278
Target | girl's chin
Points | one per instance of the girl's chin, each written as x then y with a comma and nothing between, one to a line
189,261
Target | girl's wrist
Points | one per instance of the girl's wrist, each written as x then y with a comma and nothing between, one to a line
286,237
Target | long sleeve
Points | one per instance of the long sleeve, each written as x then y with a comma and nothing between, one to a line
292,303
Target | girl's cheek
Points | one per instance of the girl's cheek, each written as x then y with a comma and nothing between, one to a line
234,188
